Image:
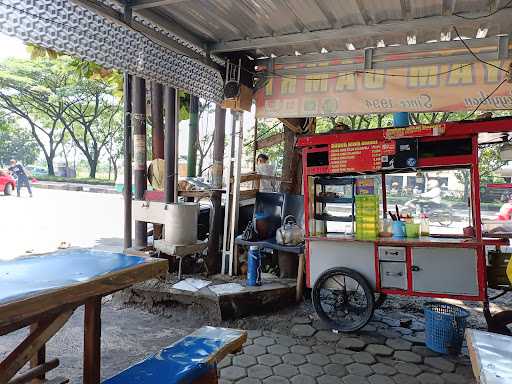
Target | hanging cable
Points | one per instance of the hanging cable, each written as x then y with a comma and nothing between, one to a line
484,16
484,100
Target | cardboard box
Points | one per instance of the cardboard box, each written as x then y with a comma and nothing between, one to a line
241,103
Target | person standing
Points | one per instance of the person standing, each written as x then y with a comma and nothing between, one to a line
21,175
263,167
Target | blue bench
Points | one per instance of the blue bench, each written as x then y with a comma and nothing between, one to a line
192,359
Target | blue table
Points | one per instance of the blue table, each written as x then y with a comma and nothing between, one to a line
43,291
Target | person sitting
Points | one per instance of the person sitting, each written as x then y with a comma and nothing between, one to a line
263,167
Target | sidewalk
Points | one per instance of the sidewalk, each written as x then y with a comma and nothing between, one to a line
80,187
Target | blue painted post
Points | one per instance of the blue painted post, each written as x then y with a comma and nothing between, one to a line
401,119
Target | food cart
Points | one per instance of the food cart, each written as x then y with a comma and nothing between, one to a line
349,190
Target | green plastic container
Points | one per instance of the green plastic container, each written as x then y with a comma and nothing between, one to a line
412,230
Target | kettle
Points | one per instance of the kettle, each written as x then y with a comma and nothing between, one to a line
289,233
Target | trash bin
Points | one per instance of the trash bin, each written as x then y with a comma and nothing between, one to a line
444,327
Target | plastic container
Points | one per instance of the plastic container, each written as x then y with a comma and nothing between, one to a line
398,229
385,228
412,230
444,327
253,267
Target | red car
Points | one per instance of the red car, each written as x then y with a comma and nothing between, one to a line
7,183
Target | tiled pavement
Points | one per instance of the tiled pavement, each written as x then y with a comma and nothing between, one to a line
386,351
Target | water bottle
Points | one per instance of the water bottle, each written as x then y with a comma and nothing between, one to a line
253,266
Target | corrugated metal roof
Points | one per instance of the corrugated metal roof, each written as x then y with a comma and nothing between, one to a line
282,27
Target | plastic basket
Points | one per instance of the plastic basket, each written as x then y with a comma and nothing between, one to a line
445,326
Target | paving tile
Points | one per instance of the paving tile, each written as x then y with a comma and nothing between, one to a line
345,351
278,349
341,359
417,339
333,369
408,369
429,369
363,358
359,369
259,372
255,350
294,359
286,341
321,325
225,362
301,349
311,370
454,378
276,380
285,370
254,333
233,373
465,371
355,344
328,336
440,363
249,380
303,330
408,356
424,351
244,361
379,349
353,379
390,333
302,320
430,378
327,379
399,344
323,349
269,360
383,369
372,337
318,359
403,331
302,379
222,381
264,341
380,379
405,379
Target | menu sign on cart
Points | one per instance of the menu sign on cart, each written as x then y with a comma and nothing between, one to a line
359,156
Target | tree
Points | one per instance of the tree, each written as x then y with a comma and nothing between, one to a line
32,91
205,142
16,143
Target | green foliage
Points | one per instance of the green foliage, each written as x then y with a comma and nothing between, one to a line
16,143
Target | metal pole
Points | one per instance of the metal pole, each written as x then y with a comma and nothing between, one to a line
192,136
127,192
171,122
139,149
157,120
219,134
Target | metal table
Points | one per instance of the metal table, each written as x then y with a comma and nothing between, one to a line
43,291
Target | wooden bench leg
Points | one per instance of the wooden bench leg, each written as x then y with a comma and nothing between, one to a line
38,359
92,341
300,279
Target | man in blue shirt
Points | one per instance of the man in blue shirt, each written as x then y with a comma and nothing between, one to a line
21,175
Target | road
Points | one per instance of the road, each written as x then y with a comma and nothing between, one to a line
42,223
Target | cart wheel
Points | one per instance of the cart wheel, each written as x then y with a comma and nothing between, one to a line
343,299
501,323
380,298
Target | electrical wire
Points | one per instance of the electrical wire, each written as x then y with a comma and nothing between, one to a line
484,100
474,54
262,134
484,16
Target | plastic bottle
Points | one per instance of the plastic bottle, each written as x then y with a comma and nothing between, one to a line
253,266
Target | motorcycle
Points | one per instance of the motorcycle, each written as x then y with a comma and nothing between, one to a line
436,213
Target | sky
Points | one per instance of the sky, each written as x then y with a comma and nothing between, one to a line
12,47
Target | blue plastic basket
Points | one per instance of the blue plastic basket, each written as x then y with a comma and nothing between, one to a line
444,328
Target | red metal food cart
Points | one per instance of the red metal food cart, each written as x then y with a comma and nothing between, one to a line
351,274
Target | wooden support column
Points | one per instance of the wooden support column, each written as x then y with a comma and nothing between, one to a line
192,136
171,105
139,149
157,120
39,358
219,134
127,191
92,341
291,162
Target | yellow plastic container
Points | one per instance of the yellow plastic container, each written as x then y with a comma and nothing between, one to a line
412,230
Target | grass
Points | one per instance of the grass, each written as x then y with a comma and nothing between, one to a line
78,180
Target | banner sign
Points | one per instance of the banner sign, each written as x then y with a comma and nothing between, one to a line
359,156
415,131
437,88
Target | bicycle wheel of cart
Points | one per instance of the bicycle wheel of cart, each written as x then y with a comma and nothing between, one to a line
343,298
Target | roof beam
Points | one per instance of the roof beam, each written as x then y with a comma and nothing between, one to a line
144,4
357,31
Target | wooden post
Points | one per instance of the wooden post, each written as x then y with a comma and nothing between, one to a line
127,189
255,145
39,358
291,162
192,136
157,120
139,148
219,135
171,106
92,341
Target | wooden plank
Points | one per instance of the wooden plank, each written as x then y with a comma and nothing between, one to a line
39,358
18,312
92,341
30,346
35,372
270,141
300,279
294,125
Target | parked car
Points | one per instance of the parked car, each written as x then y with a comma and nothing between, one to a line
7,183
36,171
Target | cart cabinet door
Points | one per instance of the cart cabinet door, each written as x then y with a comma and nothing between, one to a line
445,270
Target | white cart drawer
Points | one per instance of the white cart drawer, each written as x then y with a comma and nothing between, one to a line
391,254
393,274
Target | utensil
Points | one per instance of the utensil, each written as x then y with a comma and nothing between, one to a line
397,212
393,217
